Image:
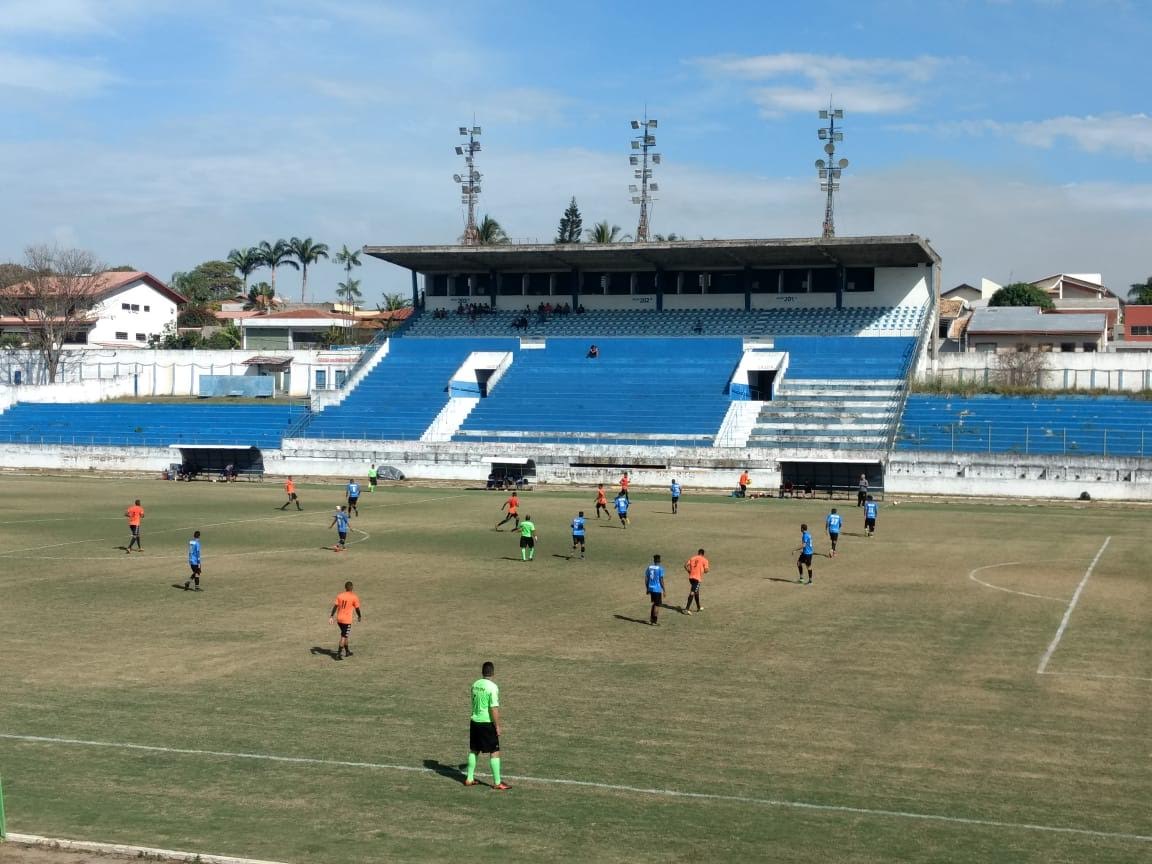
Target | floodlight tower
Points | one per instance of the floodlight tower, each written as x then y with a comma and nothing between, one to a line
469,181
641,162
831,169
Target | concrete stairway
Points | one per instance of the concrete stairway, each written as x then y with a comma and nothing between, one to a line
845,414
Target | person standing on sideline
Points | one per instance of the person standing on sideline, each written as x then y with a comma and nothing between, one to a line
484,727
805,559
833,523
527,539
870,510
621,503
290,491
340,523
654,586
745,481
675,489
695,567
601,503
373,475
194,561
578,533
135,515
862,490
624,484
353,497
513,506
343,606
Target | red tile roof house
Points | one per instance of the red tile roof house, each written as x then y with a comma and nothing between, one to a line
129,309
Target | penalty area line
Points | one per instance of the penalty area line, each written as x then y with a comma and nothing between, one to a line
608,787
1071,606
124,849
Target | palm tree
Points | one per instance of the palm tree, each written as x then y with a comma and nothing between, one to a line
273,255
260,296
246,262
490,233
349,291
1140,293
347,259
667,238
394,303
604,232
306,253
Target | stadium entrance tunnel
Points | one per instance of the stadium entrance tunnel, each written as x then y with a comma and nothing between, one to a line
521,472
830,478
214,459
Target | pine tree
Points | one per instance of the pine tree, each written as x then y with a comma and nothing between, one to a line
571,224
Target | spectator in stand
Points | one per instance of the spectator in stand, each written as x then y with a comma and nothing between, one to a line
580,309
593,353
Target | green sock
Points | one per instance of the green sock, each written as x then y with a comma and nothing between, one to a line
471,767
495,760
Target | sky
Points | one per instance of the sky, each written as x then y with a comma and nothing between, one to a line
1014,134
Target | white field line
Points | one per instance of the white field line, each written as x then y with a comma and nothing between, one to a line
290,515
1068,612
1098,675
122,849
972,575
611,787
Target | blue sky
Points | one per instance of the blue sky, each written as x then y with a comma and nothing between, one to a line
1014,134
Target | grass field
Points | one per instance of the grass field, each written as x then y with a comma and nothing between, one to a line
817,723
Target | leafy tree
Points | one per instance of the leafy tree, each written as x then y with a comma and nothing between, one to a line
571,224
278,254
334,335
11,273
349,291
260,296
1021,294
604,232
667,238
121,268
227,337
54,301
245,261
1140,293
490,232
394,302
171,339
196,315
307,252
207,282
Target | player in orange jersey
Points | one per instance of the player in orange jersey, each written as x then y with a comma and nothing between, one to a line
695,567
624,483
602,503
343,607
745,481
513,506
135,514
290,490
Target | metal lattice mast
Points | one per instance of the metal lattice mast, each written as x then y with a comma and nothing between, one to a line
469,182
831,169
642,171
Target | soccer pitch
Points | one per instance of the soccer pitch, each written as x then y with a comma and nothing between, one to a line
891,711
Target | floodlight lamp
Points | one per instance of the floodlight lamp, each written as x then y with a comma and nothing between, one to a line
651,124
635,145
654,187
635,199
475,130
829,148
476,147
838,114
823,173
843,163
823,115
459,151
633,160
632,187
835,173
819,163
823,134
457,178
463,131
476,189
839,136
656,158
635,124
650,140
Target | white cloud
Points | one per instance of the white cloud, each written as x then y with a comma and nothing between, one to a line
39,74
804,82
70,17
1124,134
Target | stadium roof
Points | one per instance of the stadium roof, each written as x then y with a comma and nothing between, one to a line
899,251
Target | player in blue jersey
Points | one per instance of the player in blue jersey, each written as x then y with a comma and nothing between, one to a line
353,490
806,552
578,533
654,587
621,503
340,523
194,561
675,490
833,523
870,510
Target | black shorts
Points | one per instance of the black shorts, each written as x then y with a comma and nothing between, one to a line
344,629
694,586
135,530
291,496
834,537
482,737
371,481
195,569
623,515
352,501
657,597
870,524
343,535
527,542
805,559
577,539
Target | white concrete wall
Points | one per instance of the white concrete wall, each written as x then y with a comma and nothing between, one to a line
895,286
617,301
1120,371
703,301
113,318
795,301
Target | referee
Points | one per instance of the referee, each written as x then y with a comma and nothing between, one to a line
484,728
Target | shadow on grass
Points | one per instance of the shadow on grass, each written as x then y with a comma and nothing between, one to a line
643,621
181,586
452,772
786,581
318,651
